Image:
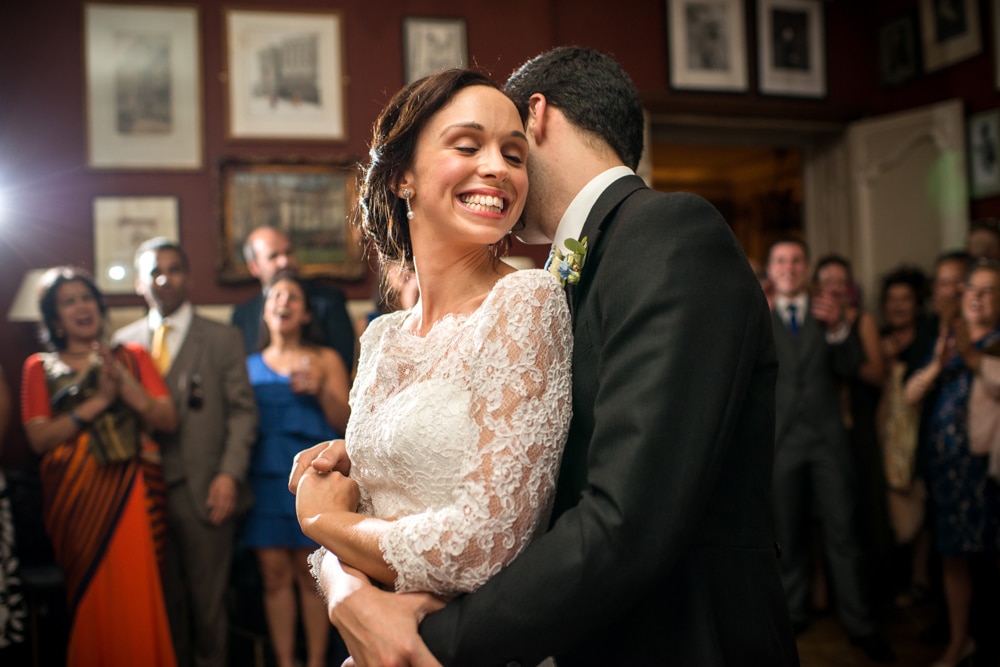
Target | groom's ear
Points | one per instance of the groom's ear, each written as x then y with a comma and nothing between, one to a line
537,108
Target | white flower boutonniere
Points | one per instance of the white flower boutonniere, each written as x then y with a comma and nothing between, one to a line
567,267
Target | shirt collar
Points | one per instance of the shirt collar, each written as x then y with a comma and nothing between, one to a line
179,321
801,301
572,221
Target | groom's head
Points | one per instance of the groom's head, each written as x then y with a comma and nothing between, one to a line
582,116
593,92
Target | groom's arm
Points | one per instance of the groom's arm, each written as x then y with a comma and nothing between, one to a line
679,334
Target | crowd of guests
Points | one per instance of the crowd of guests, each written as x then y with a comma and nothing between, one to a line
887,451
165,449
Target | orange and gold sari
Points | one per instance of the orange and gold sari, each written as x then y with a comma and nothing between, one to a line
107,526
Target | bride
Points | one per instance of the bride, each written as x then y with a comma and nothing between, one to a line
461,405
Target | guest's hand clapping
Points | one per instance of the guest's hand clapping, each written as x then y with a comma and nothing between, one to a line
827,309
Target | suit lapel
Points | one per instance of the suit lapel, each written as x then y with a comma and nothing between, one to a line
179,376
598,220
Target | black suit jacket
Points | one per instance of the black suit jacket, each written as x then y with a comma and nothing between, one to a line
661,550
330,306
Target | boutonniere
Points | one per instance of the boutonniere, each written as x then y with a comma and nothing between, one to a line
567,267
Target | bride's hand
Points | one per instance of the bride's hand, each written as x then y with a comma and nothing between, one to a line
324,457
322,493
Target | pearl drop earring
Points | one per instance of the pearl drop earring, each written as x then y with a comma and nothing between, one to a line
409,211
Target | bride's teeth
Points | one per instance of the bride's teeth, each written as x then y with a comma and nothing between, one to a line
483,202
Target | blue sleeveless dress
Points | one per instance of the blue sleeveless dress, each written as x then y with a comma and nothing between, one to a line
289,423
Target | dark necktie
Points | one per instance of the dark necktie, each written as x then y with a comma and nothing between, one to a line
793,320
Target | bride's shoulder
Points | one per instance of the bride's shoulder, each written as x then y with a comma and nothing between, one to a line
528,281
528,289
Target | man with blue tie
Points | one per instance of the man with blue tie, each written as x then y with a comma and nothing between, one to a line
813,471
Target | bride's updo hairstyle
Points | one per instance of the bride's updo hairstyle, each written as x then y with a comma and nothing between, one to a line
381,212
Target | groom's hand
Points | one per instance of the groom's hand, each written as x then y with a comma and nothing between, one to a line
324,457
378,627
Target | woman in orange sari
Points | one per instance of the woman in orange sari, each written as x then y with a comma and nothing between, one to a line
87,411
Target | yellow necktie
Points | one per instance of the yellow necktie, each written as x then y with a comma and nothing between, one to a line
160,353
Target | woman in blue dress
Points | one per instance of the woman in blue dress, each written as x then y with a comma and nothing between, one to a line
965,500
301,390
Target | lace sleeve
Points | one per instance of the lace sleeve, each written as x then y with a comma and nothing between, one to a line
521,406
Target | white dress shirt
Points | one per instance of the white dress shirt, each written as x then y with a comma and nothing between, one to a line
573,219
179,322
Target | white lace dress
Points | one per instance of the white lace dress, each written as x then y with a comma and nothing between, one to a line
457,436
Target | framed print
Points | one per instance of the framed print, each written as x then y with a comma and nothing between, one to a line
899,50
143,78
286,75
707,44
432,44
950,32
791,45
311,201
984,154
121,224
996,42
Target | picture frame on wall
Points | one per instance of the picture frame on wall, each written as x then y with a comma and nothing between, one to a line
996,42
310,200
143,86
791,48
286,74
707,45
950,32
121,225
432,44
899,50
984,154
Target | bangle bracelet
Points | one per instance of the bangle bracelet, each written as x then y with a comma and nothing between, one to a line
78,420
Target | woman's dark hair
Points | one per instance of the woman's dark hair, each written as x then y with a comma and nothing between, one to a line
50,332
312,331
832,259
911,276
381,213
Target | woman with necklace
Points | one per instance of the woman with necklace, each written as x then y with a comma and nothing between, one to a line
88,411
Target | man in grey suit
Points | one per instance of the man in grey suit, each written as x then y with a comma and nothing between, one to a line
205,461
813,470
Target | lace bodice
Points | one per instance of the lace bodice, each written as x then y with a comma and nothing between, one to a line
457,436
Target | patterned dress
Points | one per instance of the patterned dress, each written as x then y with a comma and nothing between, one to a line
965,501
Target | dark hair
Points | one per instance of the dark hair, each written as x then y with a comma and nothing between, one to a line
831,259
911,276
954,256
157,244
985,224
983,264
50,333
593,92
781,240
312,331
381,213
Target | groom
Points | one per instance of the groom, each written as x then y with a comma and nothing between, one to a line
661,548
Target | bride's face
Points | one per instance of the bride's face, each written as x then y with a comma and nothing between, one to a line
285,308
468,179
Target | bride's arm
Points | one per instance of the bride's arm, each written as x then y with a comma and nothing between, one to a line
521,408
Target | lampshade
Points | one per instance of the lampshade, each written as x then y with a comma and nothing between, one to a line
24,308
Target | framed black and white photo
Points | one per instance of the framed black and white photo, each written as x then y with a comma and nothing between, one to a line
143,78
984,154
950,32
791,47
310,200
121,224
707,45
996,42
899,50
286,75
432,44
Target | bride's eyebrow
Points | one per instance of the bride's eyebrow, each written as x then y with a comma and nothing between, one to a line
472,125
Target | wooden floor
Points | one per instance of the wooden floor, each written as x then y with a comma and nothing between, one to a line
824,643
